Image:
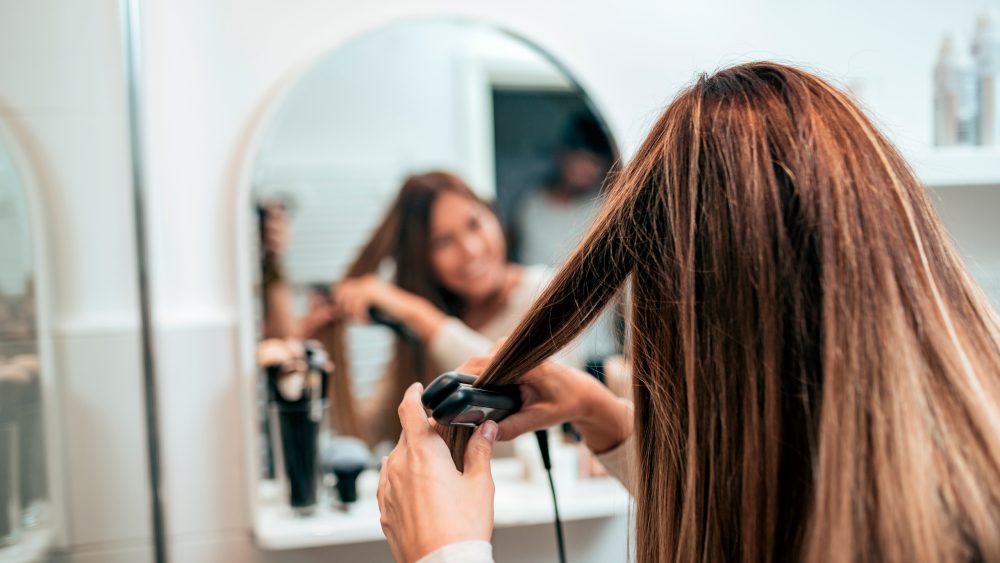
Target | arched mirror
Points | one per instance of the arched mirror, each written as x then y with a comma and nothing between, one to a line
25,509
413,193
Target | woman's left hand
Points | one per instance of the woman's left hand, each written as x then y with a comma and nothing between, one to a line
425,501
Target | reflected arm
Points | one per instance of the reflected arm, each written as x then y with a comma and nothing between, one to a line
279,317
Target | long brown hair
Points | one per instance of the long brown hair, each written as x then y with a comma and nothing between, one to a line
815,374
403,237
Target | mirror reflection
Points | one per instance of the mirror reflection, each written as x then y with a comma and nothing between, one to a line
414,193
23,483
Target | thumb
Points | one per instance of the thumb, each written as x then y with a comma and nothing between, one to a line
479,450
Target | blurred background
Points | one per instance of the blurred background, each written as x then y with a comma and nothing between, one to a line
147,146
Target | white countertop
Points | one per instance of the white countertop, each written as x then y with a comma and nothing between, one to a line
32,546
519,502
943,167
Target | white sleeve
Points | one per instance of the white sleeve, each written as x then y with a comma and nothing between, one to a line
620,462
455,342
470,551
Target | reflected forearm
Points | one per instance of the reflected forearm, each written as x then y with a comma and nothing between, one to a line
279,320
417,313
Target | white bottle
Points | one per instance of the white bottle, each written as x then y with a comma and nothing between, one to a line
986,52
955,109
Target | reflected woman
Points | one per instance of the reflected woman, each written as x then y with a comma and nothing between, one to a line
452,286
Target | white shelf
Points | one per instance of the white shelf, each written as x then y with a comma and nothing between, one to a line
957,166
519,502
33,546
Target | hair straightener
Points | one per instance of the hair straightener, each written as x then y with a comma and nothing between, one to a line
453,400
380,317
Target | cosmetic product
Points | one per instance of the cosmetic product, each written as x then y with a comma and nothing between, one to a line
271,354
955,111
31,441
345,458
298,404
986,54
12,379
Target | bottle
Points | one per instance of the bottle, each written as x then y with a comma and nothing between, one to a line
986,53
955,109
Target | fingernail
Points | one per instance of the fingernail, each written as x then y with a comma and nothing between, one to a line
489,430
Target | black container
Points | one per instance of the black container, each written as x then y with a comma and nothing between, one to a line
296,422
299,426
31,438
10,505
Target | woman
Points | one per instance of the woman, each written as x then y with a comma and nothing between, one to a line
815,373
452,287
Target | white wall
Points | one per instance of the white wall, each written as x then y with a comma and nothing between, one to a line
62,105
971,214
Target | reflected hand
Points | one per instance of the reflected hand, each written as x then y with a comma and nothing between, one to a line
274,352
352,297
425,502
276,235
318,318
552,393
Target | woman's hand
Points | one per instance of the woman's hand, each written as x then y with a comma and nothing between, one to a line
276,232
553,393
425,501
353,296
318,318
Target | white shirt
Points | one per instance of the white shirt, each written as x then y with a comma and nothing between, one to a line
549,228
455,342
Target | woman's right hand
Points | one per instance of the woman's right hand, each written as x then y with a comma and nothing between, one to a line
553,393
353,296
318,318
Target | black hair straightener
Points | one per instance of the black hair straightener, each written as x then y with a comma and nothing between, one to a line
454,401
380,317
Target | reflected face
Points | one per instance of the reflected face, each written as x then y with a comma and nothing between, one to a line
581,171
468,252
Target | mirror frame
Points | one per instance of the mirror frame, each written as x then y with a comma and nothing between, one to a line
18,147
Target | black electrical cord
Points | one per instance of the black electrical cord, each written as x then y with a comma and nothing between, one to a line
543,447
